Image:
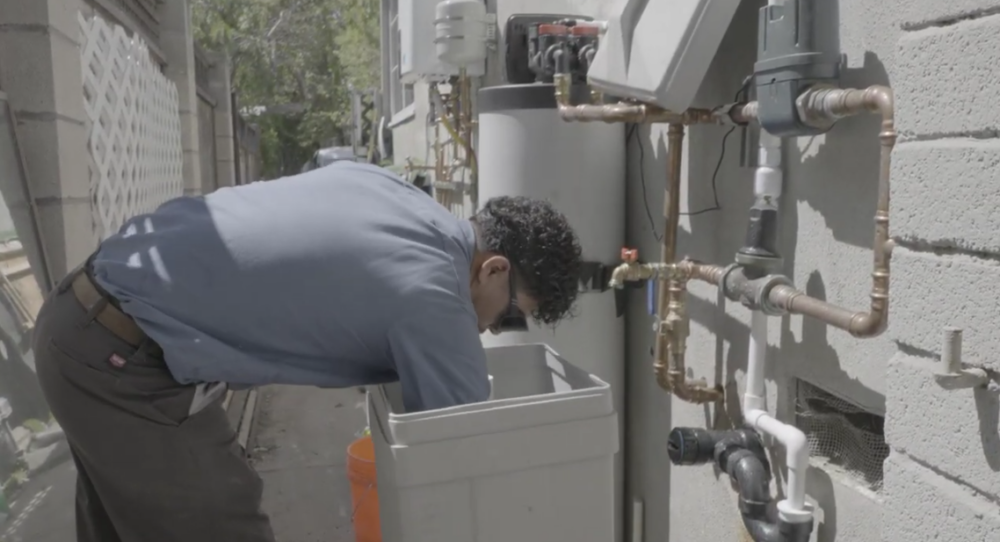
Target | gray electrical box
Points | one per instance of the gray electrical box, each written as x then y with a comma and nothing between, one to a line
798,47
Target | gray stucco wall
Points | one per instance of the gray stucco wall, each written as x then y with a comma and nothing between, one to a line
942,478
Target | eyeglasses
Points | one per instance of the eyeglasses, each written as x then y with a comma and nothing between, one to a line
513,318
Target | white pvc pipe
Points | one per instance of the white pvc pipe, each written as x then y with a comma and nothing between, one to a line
768,181
793,508
753,397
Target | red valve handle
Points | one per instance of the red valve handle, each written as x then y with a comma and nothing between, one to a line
630,255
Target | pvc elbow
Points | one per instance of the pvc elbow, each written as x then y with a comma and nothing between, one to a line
791,437
753,416
796,448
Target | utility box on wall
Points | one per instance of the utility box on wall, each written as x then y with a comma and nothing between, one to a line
658,51
418,58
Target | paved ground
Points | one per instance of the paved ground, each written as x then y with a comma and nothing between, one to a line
43,510
299,445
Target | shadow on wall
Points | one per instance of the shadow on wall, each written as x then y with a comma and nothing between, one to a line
987,402
839,177
821,489
988,409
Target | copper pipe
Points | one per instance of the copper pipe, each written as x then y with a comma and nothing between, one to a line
674,329
830,104
671,199
634,112
744,113
692,270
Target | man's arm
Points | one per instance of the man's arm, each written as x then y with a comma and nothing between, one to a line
439,359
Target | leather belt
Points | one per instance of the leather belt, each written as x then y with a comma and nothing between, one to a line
109,316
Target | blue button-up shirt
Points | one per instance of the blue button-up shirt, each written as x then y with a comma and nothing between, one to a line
339,277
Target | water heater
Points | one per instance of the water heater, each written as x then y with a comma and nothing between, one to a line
526,149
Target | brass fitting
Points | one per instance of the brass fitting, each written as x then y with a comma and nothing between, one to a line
673,331
563,85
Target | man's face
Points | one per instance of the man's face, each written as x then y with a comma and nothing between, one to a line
500,306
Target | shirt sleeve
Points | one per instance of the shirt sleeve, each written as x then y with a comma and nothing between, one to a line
439,359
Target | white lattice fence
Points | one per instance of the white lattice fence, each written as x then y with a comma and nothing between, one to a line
134,125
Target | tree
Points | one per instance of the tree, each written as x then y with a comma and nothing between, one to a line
293,63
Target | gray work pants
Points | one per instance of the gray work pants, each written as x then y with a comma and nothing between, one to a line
148,471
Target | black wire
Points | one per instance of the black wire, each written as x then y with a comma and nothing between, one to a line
633,131
715,177
743,92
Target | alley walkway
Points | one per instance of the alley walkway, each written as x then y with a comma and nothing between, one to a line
298,444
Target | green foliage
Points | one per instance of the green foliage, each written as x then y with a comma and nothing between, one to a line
35,426
294,63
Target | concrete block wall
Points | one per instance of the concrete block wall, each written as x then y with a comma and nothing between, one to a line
943,478
220,87
41,73
178,46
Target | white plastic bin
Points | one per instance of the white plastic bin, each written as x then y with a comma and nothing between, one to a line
534,464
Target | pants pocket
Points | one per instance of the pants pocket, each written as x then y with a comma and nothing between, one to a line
163,406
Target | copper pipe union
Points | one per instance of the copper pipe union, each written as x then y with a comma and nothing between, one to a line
828,104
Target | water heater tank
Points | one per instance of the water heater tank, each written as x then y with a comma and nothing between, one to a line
460,32
526,149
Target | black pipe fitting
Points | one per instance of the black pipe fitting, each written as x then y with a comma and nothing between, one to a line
740,454
752,476
760,247
696,446
763,531
691,446
750,287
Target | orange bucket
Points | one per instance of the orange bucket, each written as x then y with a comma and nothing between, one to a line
364,490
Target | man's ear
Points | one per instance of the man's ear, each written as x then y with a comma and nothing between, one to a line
493,266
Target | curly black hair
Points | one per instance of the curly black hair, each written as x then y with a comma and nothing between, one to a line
542,248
